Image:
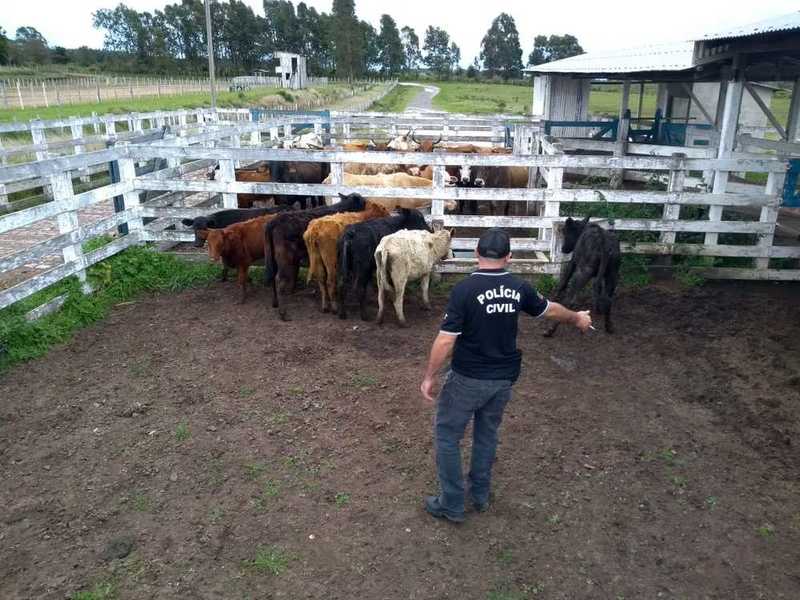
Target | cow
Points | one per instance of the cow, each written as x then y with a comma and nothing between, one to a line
256,173
298,172
403,143
425,145
285,248
306,141
321,237
239,246
365,146
396,180
407,256
355,252
595,254
491,177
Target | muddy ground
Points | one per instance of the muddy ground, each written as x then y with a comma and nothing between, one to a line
159,452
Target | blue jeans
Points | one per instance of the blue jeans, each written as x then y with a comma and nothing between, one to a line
461,399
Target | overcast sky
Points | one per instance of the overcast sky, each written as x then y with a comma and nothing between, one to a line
597,25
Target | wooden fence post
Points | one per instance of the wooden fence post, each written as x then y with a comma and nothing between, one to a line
769,214
39,138
19,96
672,211
76,127
437,203
273,134
131,200
552,206
67,221
227,174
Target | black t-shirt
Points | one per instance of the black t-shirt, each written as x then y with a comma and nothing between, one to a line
482,312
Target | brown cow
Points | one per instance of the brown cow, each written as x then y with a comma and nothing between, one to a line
239,246
256,173
321,237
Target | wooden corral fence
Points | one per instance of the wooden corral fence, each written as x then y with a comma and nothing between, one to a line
536,228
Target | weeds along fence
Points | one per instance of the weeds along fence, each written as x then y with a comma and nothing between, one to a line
150,203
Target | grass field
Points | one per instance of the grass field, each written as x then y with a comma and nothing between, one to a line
397,100
482,98
322,95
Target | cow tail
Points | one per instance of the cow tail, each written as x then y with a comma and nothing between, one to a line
343,260
602,299
270,265
313,260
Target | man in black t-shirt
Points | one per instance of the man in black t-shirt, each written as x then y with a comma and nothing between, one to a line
480,328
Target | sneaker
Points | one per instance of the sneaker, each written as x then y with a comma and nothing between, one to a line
434,508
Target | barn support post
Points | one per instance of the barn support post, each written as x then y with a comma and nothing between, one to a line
767,112
67,221
793,123
618,177
769,215
130,200
227,174
76,128
727,139
273,135
437,203
255,138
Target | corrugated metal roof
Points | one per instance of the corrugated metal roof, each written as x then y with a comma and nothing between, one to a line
675,56
774,24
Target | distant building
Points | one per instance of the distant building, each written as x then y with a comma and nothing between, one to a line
291,70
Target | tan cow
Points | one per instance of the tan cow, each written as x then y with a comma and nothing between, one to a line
395,180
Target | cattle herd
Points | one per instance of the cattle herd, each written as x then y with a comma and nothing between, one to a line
350,242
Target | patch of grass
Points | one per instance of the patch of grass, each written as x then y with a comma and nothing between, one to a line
679,481
246,392
766,531
182,432
117,279
142,503
505,557
341,499
683,271
288,96
272,560
106,590
271,488
634,270
363,380
279,418
510,592
546,284
711,502
254,470
397,100
216,514
553,520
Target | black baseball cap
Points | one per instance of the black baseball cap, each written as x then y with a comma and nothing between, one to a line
494,243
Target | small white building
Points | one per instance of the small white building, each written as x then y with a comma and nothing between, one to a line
291,69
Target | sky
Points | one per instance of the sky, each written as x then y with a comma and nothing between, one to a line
606,25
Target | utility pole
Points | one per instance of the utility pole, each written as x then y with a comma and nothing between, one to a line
210,55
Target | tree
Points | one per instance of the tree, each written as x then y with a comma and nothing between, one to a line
370,48
455,57
241,36
348,39
59,55
31,47
3,47
500,50
411,51
437,51
391,55
283,31
315,42
187,31
555,47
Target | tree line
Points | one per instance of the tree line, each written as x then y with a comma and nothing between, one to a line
172,40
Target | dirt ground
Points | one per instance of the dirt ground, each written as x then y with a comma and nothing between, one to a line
191,436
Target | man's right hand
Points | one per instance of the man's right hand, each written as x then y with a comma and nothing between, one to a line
583,320
427,390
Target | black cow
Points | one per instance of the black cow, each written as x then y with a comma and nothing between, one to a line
299,172
356,253
595,254
223,218
285,248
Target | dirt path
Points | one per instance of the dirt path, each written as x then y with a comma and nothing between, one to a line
186,432
422,101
